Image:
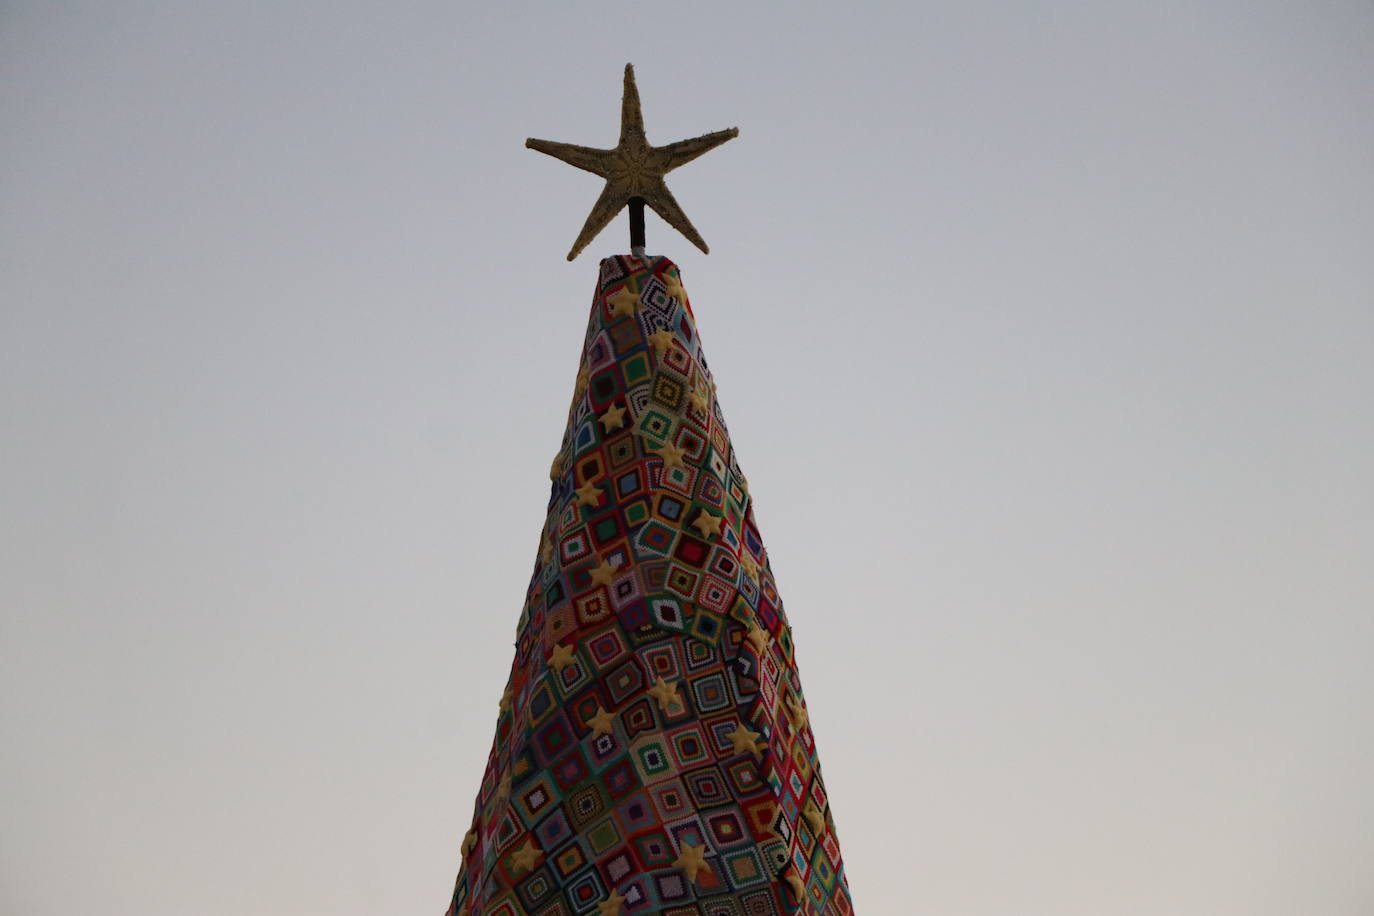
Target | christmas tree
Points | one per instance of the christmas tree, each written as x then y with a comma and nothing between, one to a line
653,752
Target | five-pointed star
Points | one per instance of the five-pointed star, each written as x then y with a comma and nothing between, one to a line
814,817
503,787
675,289
556,469
692,860
613,418
634,169
751,567
603,723
797,712
795,882
604,572
745,740
589,494
525,857
562,657
699,399
707,523
469,842
611,905
583,375
661,340
758,638
671,454
505,700
623,303
666,694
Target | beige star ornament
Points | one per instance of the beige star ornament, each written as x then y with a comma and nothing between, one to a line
666,694
661,340
524,858
634,169
603,723
671,455
604,572
613,418
562,657
745,739
623,303
589,494
708,524
611,905
691,860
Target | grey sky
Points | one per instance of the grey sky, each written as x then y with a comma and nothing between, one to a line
1044,333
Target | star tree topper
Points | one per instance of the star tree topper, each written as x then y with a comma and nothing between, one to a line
634,171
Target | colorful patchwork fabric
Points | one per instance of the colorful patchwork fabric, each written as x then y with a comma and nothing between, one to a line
653,752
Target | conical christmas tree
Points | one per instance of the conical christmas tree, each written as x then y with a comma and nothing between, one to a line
653,752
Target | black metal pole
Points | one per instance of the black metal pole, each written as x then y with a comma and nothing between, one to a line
636,223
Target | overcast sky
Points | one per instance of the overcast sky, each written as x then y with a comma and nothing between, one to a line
1045,333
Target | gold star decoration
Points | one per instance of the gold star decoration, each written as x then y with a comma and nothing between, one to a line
524,858
758,638
795,882
751,568
814,817
661,340
675,289
666,694
505,700
634,169
547,551
556,469
562,657
603,723
613,418
583,375
623,303
691,860
503,787
604,572
611,905
700,400
745,739
708,524
671,454
589,494
469,842
797,712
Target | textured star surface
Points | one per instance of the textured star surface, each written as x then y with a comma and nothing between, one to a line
562,657
589,494
708,524
611,905
745,739
671,454
665,693
604,572
691,860
613,418
525,857
603,723
623,303
634,169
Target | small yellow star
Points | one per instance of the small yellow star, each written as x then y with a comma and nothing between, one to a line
556,469
745,740
708,524
759,638
562,657
662,340
611,905
671,455
795,882
666,694
675,288
589,494
623,303
524,858
814,817
469,842
691,860
603,723
583,374
547,551
604,572
797,712
751,568
700,399
613,418
503,787
505,700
